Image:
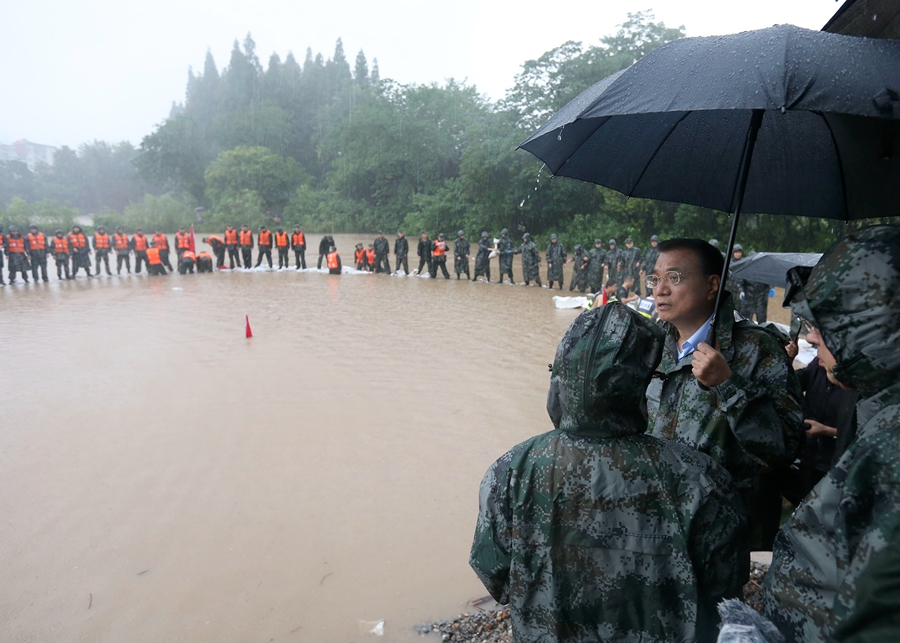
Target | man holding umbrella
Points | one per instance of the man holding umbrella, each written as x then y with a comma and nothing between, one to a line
737,401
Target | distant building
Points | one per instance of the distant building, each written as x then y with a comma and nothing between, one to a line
29,153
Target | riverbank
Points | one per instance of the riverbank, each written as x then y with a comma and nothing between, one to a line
494,626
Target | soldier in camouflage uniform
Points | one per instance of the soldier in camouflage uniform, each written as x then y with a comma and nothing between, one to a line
597,531
483,258
556,258
531,260
649,262
740,404
613,259
504,249
581,262
630,259
595,267
836,549
461,251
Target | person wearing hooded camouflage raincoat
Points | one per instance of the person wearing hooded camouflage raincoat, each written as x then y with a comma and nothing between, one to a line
505,251
597,531
835,569
531,260
461,251
483,258
556,258
595,268
581,261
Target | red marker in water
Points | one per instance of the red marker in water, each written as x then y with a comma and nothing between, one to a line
247,332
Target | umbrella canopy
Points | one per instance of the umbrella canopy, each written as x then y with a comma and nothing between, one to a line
771,268
674,125
781,120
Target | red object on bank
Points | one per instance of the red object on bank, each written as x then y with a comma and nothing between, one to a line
194,245
247,331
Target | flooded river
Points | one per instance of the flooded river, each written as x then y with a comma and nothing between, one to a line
162,478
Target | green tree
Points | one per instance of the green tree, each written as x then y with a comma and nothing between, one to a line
272,178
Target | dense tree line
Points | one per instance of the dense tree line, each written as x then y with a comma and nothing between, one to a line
337,148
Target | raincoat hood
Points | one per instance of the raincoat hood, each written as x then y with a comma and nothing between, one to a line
853,297
602,368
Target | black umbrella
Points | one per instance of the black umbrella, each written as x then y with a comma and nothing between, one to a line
771,268
778,121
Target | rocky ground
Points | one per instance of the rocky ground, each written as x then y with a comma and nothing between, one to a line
493,626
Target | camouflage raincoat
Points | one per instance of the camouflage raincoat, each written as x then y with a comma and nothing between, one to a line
819,586
596,531
751,421
531,261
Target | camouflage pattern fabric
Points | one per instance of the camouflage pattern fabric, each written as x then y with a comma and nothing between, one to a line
650,258
579,271
482,259
504,250
461,249
613,258
556,257
531,261
750,421
629,258
756,300
596,531
595,268
823,558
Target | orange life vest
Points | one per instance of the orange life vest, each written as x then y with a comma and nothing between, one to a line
440,249
140,243
160,241
204,255
153,257
361,256
231,237
77,240
60,245
333,260
264,238
182,240
298,239
121,241
370,255
214,237
37,241
187,254
246,237
101,241
14,245
281,239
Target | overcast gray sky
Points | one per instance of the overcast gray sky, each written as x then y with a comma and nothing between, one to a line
78,70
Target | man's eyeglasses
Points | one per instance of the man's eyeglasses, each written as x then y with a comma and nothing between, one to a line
672,277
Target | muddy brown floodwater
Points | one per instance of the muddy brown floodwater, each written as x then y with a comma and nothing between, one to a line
162,478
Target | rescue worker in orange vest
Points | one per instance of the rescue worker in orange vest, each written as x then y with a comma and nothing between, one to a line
245,238
264,246
204,262
360,256
298,243
231,245
60,247
101,249
155,265
283,244
139,244
182,241
161,243
81,251
2,248
15,253
37,250
371,258
218,246
439,257
123,250
334,261
187,262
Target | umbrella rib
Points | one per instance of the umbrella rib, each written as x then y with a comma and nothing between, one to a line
837,155
661,143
